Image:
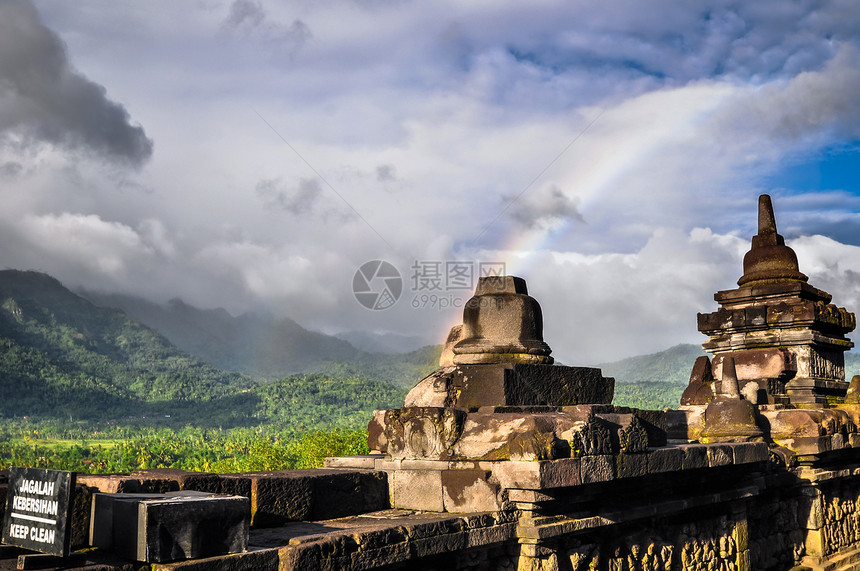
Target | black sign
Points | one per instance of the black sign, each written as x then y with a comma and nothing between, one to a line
37,510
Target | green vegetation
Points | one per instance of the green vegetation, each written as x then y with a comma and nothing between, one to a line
650,396
123,449
87,388
671,366
61,357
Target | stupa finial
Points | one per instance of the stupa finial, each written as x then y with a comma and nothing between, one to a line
769,260
766,219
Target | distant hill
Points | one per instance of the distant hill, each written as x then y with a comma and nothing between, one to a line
261,346
61,355
671,366
388,343
252,344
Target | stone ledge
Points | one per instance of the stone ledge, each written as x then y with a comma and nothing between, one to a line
252,560
553,526
844,561
438,485
276,496
825,474
385,538
367,461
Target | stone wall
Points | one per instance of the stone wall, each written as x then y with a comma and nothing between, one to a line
746,515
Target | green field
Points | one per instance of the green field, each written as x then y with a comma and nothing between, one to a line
126,448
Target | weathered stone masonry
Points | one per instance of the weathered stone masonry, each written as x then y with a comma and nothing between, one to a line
500,460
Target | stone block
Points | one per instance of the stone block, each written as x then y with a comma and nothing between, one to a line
471,386
562,385
417,490
529,496
719,455
278,498
631,465
128,483
695,456
486,385
366,462
348,492
816,543
507,436
626,431
668,459
157,528
151,479
230,484
699,391
754,364
685,423
466,491
805,445
80,515
793,423
655,424
292,495
538,475
749,452
448,543
594,469
837,442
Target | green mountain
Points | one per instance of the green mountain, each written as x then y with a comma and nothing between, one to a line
251,344
261,346
653,381
63,357
671,366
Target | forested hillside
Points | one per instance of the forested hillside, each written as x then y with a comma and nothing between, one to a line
62,357
264,347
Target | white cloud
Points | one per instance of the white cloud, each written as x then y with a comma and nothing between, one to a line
84,242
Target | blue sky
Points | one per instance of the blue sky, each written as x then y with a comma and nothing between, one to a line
252,155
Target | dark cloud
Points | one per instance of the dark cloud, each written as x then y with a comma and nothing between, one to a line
43,99
245,13
541,207
385,173
810,104
298,200
10,169
249,18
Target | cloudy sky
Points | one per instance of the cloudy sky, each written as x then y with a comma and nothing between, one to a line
252,155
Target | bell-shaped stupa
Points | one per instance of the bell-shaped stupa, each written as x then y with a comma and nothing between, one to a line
769,260
784,335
